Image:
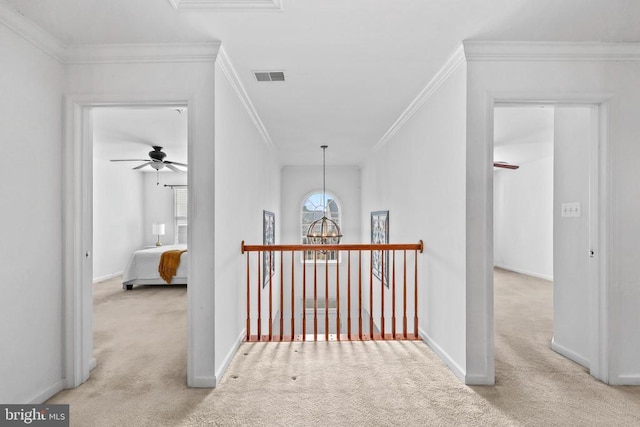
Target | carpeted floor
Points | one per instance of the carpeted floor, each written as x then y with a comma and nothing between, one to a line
140,345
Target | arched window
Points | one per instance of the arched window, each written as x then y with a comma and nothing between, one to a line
314,206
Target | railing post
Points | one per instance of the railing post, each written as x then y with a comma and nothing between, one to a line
248,299
404,299
304,298
360,295
315,295
393,296
382,295
326,296
415,297
281,297
338,297
371,296
259,281
293,303
270,297
349,295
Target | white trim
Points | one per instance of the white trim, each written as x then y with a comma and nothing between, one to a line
478,50
77,212
569,354
11,18
444,356
93,363
46,393
202,382
451,65
230,5
142,52
106,277
104,53
229,357
230,73
627,380
599,287
525,272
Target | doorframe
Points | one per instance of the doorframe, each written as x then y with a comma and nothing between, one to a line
599,219
77,227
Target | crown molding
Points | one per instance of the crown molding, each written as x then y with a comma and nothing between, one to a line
142,52
11,18
100,54
454,61
230,5
230,73
477,50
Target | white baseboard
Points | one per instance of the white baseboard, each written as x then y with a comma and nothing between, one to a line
443,355
92,364
626,380
107,277
479,380
569,354
232,352
203,382
528,273
45,394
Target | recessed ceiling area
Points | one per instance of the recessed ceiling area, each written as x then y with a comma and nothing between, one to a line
352,67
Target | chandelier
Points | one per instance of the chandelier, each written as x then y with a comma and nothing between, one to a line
324,231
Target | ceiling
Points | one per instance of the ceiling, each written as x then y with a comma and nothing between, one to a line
130,133
522,134
351,66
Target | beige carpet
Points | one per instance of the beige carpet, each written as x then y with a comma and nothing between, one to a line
140,345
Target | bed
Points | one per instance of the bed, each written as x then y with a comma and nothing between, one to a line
142,268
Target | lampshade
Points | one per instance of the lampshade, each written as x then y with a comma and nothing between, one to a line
324,231
158,229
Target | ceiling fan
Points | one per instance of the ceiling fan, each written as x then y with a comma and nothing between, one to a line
505,165
155,160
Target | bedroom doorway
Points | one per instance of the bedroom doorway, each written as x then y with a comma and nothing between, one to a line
546,204
139,209
78,245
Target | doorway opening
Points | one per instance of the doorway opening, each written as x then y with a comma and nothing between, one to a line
139,175
546,230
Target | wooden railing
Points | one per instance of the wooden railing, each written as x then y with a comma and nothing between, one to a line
367,317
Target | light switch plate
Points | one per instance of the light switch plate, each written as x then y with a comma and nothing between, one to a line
571,210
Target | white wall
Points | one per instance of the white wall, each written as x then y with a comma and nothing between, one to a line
117,216
30,253
297,183
571,234
523,218
247,181
341,181
617,82
192,83
419,176
159,205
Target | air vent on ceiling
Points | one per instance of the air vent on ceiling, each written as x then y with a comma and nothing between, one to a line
269,76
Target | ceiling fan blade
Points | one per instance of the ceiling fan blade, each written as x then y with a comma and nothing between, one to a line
130,160
504,165
173,168
176,163
142,165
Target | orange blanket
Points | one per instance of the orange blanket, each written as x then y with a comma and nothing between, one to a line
169,263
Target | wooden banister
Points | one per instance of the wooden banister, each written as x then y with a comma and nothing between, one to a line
341,247
329,289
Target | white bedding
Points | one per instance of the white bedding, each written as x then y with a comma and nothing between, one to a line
142,268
